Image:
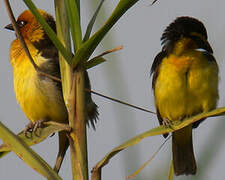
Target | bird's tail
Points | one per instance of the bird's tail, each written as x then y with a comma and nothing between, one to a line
92,112
92,108
63,146
183,154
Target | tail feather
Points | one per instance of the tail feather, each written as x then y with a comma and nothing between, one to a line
183,154
92,108
92,112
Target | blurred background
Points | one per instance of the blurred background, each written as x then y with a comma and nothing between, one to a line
124,76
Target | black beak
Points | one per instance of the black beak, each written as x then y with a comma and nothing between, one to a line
9,27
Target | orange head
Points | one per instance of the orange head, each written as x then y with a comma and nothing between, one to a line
29,27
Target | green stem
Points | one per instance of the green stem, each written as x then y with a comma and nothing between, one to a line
63,33
78,142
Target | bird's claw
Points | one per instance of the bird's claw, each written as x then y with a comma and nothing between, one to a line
33,126
167,123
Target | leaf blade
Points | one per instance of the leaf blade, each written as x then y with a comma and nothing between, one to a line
94,62
87,48
27,154
156,131
46,131
74,21
171,171
92,21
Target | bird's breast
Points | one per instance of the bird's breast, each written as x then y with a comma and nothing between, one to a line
38,97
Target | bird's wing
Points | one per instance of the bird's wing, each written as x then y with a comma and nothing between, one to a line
155,66
155,71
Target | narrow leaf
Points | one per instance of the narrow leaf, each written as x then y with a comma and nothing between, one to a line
147,162
171,171
78,6
92,21
74,21
94,62
32,139
85,51
157,131
98,59
27,154
63,33
66,54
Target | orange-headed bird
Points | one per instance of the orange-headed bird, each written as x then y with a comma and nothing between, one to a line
185,83
40,97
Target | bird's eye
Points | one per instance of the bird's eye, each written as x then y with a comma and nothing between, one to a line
21,23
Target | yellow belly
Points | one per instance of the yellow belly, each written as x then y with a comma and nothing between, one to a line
38,98
186,85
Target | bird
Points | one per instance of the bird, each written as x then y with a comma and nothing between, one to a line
185,83
40,97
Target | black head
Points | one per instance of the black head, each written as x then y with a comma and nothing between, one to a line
185,27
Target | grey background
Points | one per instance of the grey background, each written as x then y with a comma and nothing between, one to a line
124,76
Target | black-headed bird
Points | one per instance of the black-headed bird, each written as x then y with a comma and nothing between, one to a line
185,83
40,97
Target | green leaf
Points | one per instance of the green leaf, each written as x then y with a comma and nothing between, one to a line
27,154
94,62
86,49
66,54
32,139
98,59
74,21
63,33
78,6
92,21
171,171
157,131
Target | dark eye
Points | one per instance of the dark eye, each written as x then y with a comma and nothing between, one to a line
21,23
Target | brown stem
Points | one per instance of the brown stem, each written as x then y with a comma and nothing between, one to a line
96,174
119,101
108,52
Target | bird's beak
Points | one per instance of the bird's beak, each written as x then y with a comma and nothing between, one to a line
9,27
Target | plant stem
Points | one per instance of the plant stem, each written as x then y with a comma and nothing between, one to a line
73,91
77,119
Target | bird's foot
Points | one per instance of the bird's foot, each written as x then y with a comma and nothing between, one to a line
167,123
33,126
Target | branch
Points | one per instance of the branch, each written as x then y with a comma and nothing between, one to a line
118,101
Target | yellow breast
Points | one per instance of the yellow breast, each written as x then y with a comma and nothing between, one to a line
39,98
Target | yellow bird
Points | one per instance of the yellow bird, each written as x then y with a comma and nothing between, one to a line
40,97
185,83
